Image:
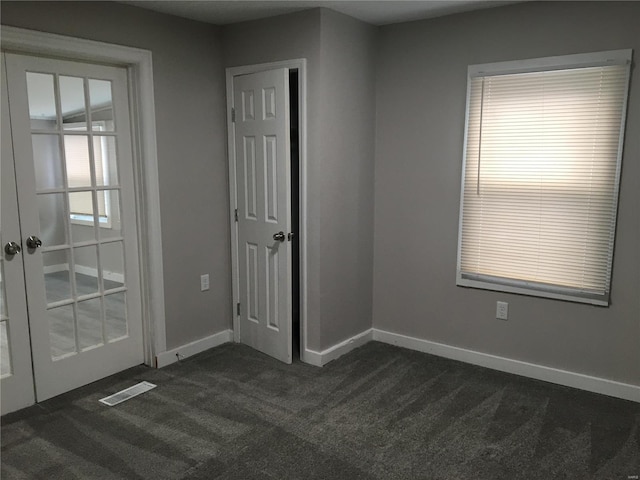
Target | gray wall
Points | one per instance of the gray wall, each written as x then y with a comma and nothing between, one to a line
189,83
347,111
341,105
420,125
419,119
190,121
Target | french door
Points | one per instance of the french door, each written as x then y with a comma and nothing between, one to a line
15,360
73,228
263,186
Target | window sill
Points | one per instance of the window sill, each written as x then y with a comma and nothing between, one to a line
87,220
533,290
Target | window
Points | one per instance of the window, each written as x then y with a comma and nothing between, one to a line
541,168
79,173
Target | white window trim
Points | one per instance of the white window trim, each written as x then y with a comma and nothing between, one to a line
140,68
583,60
580,60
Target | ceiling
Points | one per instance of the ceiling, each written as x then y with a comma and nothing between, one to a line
382,12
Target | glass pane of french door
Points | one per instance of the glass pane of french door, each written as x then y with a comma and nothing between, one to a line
74,140
83,281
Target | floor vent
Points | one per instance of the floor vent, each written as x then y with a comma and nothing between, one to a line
127,393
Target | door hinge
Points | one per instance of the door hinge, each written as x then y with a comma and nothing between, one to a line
233,115
238,308
235,214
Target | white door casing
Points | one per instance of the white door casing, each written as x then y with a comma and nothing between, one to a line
16,383
83,363
262,160
138,63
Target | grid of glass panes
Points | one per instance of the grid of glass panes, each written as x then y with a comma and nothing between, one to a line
78,190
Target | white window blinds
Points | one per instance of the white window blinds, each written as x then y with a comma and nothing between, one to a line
540,181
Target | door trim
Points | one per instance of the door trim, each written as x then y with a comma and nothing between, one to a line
140,81
299,64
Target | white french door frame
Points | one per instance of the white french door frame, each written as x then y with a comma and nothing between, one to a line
138,63
300,65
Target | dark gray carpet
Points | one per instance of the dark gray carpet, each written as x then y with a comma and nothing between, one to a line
380,412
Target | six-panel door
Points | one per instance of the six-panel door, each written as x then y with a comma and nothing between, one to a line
262,150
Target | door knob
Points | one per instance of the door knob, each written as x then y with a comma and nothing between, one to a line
34,242
279,236
12,248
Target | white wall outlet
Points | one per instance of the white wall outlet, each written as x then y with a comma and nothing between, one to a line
204,282
502,311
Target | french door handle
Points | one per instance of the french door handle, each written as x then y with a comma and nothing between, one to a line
12,248
34,242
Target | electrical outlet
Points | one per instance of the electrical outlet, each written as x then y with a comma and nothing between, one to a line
502,311
204,282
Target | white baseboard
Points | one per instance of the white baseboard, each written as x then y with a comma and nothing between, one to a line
562,377
56,268
171,356
517,367
83,269
320,359
93,272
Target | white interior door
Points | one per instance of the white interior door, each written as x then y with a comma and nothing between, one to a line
262,158
73,162
16,377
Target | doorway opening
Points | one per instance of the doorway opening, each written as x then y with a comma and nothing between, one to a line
294,120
